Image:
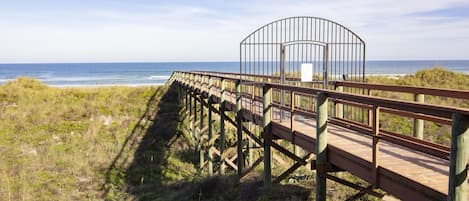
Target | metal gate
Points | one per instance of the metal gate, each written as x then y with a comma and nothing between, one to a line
276,51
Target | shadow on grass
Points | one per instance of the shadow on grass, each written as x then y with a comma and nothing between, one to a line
157,162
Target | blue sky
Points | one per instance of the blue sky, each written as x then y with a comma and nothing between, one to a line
189,30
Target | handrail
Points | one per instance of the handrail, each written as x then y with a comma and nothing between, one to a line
451,93
439,111
423,108
440,114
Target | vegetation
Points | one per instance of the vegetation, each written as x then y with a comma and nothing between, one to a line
57,144
436,77
125,143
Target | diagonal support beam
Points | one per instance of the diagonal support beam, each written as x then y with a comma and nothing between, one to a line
252,167
344,182
290,170
286,152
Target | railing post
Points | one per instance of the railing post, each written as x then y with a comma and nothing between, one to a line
375,154
180,89
221,108
457,189
267,133
321,146
418,123
239,129
339,107
370,112
210,127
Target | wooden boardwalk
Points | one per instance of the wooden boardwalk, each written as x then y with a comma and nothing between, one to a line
403,172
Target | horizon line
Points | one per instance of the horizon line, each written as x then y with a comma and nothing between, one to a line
203,61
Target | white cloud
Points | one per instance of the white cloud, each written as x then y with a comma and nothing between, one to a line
184,32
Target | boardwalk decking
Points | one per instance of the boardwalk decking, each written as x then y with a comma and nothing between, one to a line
403,172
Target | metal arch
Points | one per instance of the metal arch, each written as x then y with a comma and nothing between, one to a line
278,49
307,17
304,42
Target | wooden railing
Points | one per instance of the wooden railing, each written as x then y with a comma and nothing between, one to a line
419,94
458,118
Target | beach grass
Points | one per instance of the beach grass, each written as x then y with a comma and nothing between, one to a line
56,143
130,143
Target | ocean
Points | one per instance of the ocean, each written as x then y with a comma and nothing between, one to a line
138,74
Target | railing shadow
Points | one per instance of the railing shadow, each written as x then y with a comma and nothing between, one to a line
157,162
139,167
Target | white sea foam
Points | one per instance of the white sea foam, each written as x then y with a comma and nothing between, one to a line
106,85
158,77
79,79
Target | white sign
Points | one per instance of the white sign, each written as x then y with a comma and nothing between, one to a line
306,72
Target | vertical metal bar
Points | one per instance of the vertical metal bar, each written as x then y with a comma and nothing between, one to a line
364,62
282,80
418,123
325,66
321,146
375,147
267,135
457,189
239,131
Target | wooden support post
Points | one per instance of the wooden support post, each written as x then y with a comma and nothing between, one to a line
375,155
292,120
196,133
201,138
457,190
250,145
321,146
210,128
191,120
239,129
187,98
339,106
250,125
418,123
221,108
179,89
267,133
